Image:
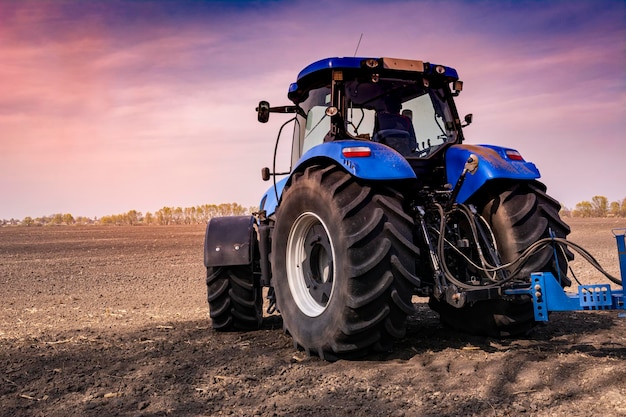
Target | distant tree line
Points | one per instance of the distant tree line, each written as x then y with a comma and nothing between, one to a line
599,206
165,216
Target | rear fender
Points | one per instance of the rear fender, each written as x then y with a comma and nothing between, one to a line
229,241
494,162
370,161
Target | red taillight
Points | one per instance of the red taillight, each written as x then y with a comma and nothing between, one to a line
514,155
356,152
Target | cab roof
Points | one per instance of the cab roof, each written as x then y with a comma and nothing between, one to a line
320,71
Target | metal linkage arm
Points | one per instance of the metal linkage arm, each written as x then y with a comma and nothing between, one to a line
548,295
621,251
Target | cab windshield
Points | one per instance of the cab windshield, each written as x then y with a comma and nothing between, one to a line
403,114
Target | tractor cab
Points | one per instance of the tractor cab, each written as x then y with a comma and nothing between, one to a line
405,104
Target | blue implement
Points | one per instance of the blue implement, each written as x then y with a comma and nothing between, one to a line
548,295
621,251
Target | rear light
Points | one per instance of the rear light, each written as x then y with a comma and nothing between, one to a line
356,152
514,155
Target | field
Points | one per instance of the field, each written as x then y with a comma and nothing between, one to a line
109,321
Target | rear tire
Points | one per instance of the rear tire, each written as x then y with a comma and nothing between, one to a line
235,298
519,214
343,264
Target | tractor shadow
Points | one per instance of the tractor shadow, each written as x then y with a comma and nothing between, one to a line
595,333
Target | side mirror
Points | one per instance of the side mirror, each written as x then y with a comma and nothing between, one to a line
263,111
265,174
468,119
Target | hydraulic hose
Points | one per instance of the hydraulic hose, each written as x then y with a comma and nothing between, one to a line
516,264
275,152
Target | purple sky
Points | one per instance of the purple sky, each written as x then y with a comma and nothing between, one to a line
116,105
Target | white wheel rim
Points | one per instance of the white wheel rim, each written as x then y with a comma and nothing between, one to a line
310,264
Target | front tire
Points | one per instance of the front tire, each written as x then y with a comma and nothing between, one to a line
235,298
519,214
343,264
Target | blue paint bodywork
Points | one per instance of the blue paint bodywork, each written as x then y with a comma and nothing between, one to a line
322,67
493,163
383,164
356,63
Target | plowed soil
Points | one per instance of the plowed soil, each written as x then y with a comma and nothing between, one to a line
103,321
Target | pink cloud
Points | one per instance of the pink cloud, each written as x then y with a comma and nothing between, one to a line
147,97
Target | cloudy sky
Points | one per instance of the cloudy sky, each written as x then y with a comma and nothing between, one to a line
108,106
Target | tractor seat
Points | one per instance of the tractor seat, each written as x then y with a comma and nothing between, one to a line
398,139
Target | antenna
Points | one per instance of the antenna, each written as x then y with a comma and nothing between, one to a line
358,44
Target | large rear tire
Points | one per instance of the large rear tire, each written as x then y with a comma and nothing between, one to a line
519,214
343,264
235,298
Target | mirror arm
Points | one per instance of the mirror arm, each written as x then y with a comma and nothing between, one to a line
283,109
264,110
288,109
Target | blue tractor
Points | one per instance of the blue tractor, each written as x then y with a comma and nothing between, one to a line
383,201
